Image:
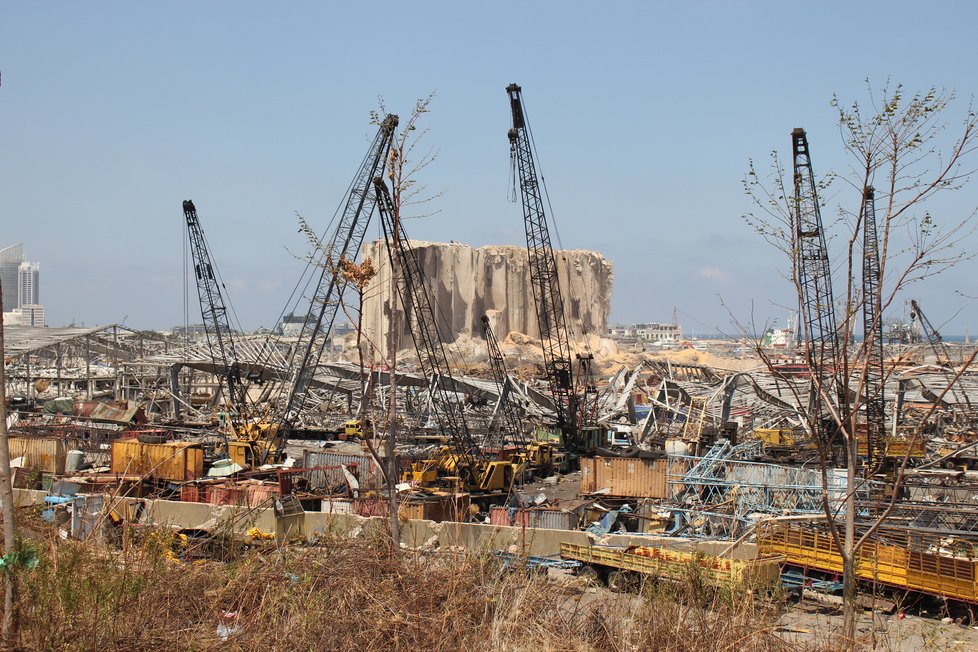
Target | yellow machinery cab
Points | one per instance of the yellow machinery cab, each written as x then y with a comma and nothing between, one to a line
253,443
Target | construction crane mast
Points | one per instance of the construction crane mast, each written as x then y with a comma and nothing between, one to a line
464,464
571,417
249,442
815,287
345,242
213,310
873,334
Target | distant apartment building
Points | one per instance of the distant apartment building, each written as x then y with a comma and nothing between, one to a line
21,282
26,315
10,260
648,332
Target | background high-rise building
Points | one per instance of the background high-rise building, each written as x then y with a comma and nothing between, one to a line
10,260
21,288
28,285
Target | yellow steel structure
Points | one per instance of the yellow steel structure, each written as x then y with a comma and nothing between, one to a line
763,572
895,447
932,570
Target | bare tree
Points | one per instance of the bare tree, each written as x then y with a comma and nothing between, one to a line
905,147
406,160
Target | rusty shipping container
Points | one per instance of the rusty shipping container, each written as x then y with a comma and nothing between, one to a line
176,460
40,453
501,516
192,493
628,477
437,508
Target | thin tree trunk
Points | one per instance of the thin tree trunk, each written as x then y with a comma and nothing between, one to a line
850,582
7,498
391,457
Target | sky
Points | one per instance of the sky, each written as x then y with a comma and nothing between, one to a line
644,114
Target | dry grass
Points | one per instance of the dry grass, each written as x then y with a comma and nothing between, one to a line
356,595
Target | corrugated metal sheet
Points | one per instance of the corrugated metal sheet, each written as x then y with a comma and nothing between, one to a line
553,519
366,471
191,493
628,477
371,507
246,494
176,460
40,453
334,506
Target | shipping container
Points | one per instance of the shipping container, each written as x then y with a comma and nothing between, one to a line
262,493
336,506
46,454
629,477
437,508
227,494
370,507
553,519
363,467
177,461
193,493
503,516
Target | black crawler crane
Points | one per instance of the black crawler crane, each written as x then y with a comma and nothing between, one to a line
575,398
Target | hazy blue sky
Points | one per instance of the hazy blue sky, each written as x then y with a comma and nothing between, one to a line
644,115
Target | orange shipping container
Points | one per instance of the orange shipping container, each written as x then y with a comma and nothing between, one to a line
629,477
46,454
175,460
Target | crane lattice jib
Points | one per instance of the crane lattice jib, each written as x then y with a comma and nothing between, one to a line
416,302
543,270
213,311
943,359
814,277
510,412
873,332
345,242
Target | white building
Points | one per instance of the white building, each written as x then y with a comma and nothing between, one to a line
27,315
28,284
648,332
20,280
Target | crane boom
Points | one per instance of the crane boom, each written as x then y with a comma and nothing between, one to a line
943,357
873,333
213,311
543,272
815,284
511,417
345,242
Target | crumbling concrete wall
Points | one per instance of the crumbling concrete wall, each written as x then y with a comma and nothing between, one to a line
467,283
